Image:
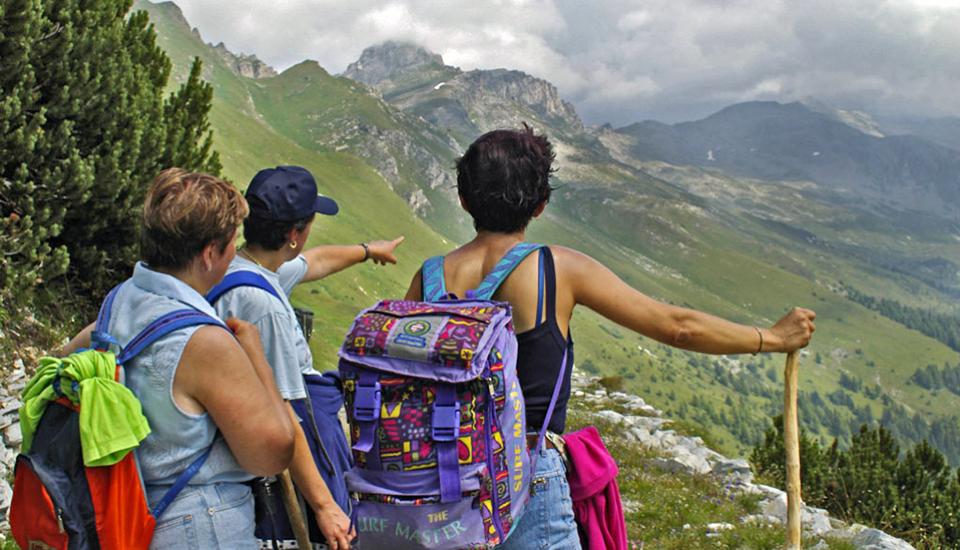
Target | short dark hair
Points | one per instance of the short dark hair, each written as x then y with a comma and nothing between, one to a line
504,177
183,213
260,230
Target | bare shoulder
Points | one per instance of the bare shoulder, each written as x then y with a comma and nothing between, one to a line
569,260
210,341
567,253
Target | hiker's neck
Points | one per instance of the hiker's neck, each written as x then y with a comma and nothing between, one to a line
267,259
195,277
498,240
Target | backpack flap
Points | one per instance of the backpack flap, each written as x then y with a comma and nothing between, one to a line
446,342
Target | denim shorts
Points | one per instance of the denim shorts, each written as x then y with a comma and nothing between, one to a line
547,521
205,517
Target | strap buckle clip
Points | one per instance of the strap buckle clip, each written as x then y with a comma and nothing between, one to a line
366,402
446,421
101,340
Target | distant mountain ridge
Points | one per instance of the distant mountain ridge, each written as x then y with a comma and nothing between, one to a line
418,81
249,66
776,141
943,131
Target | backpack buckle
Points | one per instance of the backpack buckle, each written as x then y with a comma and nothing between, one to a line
100,340
446,421
366,402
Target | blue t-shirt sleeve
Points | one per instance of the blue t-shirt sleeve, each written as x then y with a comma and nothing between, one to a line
281,351
291,273
276,329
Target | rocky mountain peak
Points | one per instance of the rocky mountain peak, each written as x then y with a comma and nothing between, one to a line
244,65
171,8
384,61
534,93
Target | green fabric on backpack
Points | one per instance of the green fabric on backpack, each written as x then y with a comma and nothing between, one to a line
111,418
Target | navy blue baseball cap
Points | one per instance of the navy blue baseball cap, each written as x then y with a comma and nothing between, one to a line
287,193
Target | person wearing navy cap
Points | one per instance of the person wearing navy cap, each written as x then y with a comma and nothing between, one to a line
283,204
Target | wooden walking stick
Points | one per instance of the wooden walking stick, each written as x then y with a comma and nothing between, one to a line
292,505
791,444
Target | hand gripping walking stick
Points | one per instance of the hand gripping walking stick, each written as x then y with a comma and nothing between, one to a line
791,444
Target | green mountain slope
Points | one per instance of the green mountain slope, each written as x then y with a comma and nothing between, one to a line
247,143
741,248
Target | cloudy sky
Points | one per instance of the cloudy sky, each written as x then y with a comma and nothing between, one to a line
620,61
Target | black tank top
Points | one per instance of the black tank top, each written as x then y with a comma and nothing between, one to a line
540,356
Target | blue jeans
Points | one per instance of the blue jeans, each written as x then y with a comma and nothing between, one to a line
547,521
206,517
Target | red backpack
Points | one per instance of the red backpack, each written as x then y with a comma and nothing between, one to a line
60,503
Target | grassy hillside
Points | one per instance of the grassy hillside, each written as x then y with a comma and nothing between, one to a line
247,144
743,249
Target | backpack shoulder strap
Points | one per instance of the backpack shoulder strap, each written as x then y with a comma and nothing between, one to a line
163,326
503,269
154,331
100,338
434,287
240,278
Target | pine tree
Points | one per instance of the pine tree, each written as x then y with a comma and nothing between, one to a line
769,459
189,141
865,474
105,77
923,481
27,221
915,497
86,127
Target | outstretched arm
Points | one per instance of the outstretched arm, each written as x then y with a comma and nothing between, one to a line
598,288
326,260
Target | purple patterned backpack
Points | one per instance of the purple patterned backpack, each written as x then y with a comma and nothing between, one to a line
437,418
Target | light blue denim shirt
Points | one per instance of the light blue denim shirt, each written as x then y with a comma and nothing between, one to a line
177,437
286,349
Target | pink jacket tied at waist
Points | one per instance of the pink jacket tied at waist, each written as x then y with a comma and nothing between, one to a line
593,488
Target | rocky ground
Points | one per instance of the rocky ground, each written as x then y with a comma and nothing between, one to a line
639,425
10,428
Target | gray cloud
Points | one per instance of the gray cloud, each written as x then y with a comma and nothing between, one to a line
625,60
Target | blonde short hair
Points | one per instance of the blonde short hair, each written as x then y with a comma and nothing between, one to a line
183,213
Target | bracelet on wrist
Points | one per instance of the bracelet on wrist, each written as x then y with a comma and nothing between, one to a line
366,252
760,334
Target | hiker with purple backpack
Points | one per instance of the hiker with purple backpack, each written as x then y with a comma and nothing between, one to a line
503,183
283,203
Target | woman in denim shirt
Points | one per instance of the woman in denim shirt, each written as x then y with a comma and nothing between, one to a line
200,387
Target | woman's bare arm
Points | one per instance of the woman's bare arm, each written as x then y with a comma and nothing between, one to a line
231,379
598,288
326,260
80,341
